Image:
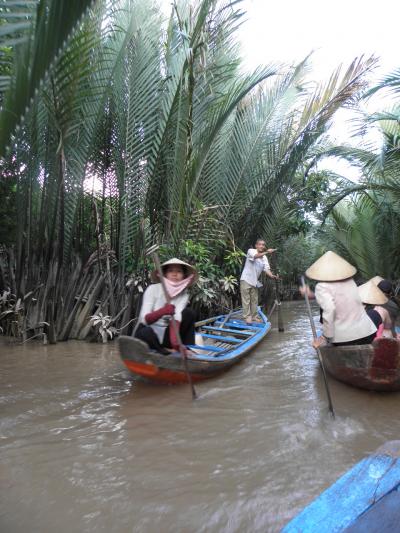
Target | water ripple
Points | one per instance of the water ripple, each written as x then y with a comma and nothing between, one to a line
87,448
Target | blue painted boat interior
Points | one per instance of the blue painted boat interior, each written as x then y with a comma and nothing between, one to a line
383,517
361,496
251,335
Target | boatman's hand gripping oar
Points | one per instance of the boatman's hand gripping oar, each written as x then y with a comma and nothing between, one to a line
305,291
182,348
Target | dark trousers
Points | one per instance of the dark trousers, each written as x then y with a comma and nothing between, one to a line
364,340
186,330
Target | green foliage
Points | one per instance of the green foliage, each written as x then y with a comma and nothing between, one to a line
229,284
297,254
42,31
233,262
364,219
365,231
135,132
216,286
217,275
102,324
8,212
11,314
197,253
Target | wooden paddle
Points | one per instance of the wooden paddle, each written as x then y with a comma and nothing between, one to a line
314,331
279,304
278,301
182,348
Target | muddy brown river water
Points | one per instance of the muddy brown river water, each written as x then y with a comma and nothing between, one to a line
85,448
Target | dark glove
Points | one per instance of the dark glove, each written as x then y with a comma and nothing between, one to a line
172,336
167,309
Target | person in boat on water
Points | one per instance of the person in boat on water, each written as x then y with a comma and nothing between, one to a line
391,306
256,262
373,299
155,327
344,318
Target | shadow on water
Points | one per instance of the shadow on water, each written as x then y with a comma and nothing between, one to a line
87,448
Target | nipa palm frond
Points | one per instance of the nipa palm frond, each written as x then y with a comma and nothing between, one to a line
36,44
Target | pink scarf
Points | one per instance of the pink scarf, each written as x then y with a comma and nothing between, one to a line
176,287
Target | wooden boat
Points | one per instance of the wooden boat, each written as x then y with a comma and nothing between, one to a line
365,499
227,339
373,366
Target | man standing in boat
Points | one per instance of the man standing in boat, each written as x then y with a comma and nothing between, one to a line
256,262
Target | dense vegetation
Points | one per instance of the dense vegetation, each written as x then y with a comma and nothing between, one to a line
121,129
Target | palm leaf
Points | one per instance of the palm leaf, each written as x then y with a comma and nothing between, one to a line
45,35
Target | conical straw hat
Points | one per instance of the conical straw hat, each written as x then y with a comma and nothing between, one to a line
330,267
188,269
376,279
370,294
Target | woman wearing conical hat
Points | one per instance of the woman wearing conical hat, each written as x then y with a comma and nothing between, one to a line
391,306
344,318
154,318
373,299
379,286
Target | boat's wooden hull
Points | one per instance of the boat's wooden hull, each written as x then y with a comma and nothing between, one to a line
364,499
170,369
373,366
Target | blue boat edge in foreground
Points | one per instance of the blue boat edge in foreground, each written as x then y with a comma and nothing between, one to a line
367,493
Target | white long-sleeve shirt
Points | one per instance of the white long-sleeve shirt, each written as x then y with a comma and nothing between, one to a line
344,316
253,268
153,299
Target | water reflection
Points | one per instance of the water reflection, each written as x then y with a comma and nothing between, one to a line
86,448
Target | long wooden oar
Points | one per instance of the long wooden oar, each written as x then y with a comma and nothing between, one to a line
278,301
156,260
279,306
314,331
271,311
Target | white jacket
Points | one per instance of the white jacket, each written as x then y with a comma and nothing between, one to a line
153,299
253,268
344,316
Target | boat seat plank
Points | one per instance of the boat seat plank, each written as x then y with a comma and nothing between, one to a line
206,347
221,338
236,331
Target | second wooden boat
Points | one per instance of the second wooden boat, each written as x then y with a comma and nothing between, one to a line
226,339
373,366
